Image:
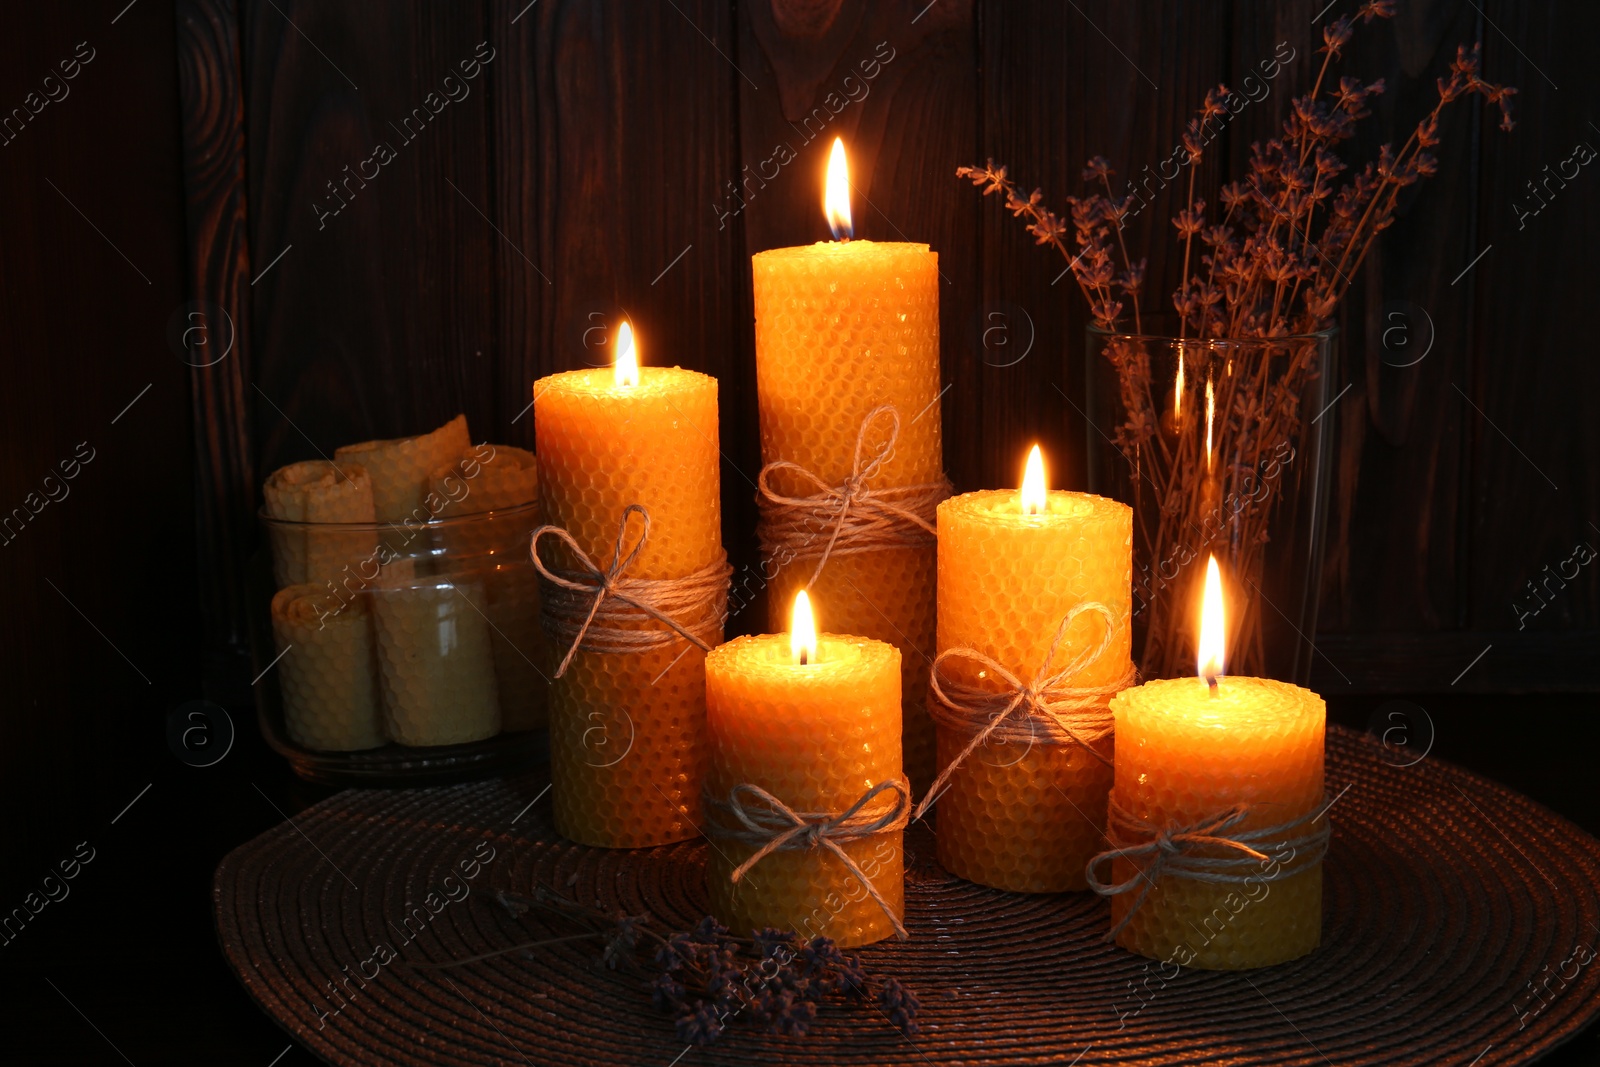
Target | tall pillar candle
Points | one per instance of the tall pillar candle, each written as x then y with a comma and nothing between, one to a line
1026,815
817,736
842,328
627,743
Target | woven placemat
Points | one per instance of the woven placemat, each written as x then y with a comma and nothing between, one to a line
1446,895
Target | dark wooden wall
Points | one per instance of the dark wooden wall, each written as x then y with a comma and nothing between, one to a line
621,158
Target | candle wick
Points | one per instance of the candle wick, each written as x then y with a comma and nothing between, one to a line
802,657
1211,683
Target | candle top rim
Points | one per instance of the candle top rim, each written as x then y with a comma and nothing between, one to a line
1003,506
1240,701
601,381
773,650
854,247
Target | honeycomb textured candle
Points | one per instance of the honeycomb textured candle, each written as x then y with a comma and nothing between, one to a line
1018,816
816,737
327,670
1183,755
627,730
842,327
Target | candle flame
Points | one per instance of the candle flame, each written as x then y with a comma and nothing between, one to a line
1177,389
1033,498
1211,414
802,630
836,194
1209,659
626,368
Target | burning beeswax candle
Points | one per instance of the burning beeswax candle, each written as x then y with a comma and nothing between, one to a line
627,746
1025,814
814,721
1190,753
844,327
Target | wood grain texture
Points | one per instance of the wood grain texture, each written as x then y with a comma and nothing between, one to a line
614,130
210,75
1533,432
378,319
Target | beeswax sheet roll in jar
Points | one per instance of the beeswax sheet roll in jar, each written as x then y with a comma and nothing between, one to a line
400,468
304,496
627,729
326,670
504,481
435,666
842,328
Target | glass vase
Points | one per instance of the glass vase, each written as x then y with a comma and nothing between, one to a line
1221,446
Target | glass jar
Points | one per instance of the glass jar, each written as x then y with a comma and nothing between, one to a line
401,653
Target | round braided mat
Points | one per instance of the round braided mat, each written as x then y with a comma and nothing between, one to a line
1446,895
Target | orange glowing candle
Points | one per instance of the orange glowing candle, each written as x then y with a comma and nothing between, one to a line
1025,815
1191,748
627,745
842,328
814,720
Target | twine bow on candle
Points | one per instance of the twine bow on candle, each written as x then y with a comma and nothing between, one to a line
1191,850
1044,710
769,825
602,611
861,519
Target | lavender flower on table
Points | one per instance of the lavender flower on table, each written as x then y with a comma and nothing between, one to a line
706,977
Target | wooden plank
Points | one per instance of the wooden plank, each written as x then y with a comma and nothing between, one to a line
1062,83
1531,424
369,176
218,324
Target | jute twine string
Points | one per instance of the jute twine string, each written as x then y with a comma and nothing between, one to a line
602,611
862,519
769,825
1043,710
1206,850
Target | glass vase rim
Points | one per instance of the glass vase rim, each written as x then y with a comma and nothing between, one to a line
437,522
1096,330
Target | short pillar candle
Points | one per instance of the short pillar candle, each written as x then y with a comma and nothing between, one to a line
1189,752
817,736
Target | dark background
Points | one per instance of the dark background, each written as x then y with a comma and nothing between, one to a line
587,175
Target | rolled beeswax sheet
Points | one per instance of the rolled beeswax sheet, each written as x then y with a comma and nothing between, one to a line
400,468
484,478
312,492
435,663
326,671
